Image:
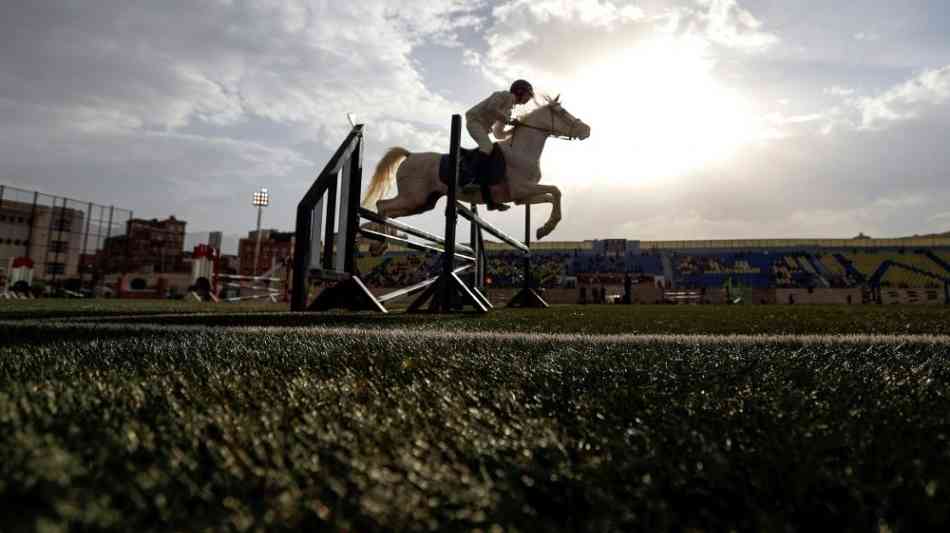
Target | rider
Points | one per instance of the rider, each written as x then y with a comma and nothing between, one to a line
491,115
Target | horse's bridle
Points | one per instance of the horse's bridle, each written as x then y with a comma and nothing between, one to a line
551,132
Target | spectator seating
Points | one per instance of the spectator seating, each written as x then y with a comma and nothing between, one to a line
553,268
504,269
401,269
901,278
868,262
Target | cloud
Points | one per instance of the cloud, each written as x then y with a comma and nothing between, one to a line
866,36
726,23
174,64
544,40
211,96
907,100
839,91
553,39
472,58
885,183
706,121
648,80
915,98
780,119
67,152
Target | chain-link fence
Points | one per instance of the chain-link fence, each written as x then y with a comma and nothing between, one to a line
60,238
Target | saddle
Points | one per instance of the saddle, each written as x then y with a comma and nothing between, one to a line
476,169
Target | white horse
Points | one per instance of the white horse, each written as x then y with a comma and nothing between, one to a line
419,186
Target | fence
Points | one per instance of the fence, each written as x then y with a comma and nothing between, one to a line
62,237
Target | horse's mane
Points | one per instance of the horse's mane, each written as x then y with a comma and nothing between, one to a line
547,103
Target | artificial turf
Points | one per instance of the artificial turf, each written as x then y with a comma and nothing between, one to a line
209,422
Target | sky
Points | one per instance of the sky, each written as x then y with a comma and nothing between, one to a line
710,119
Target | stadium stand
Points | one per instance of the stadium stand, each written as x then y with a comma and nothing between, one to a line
504,269
368,263
557,264
868,263
832,270
905,279
833,265
401,269
942,259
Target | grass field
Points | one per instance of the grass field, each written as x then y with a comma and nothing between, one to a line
182,416
635,319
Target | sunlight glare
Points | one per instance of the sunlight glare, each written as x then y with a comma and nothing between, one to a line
657,111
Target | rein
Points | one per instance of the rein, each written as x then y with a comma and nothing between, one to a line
550,131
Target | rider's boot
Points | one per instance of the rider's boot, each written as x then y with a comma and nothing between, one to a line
489,201
483,169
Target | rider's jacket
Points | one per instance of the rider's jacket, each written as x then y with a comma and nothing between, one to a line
493,112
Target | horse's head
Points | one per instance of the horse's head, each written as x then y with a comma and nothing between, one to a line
555,120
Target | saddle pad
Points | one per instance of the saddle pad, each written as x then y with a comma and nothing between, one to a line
474,165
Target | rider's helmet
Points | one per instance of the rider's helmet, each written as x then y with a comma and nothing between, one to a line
522,87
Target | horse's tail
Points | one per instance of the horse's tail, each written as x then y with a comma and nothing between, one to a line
385,174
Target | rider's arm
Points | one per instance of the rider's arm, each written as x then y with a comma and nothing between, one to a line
475,111
499,132
490,108
505,102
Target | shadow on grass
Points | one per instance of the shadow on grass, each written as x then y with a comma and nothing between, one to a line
147,326
290,320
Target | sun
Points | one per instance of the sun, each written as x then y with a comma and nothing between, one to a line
657,111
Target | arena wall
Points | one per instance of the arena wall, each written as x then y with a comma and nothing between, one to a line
912,296
644,294
499,297
157,285
818,296
653,295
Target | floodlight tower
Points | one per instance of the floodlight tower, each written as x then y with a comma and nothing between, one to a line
261,200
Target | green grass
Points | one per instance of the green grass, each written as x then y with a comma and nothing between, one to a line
102,307
601,319
129,425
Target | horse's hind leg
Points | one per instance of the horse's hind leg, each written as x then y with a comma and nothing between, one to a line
395,207
429,204
415,193
398,206
418,188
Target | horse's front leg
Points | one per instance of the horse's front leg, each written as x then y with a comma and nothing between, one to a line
545,194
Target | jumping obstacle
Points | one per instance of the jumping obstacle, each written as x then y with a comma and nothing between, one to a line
17,285
327,228
209,283
265,286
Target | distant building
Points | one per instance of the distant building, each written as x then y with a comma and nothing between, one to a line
229,264
215,239
50,236
616,247
276,247
148,246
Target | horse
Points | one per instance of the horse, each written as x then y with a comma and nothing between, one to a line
420,187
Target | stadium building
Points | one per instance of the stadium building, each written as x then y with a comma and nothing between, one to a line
276,248
59,238
905,270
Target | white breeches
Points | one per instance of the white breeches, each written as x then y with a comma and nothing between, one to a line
480,133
